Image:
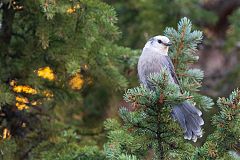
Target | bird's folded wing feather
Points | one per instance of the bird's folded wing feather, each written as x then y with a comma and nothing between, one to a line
170,66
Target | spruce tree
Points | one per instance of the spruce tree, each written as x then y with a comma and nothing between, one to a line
150,128
223,143
59,68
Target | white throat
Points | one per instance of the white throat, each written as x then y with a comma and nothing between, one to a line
164,51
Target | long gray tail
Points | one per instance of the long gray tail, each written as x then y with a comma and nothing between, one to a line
189,118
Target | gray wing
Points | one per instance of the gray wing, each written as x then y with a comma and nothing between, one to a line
171,69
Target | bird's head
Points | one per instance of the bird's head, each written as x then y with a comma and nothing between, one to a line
159,44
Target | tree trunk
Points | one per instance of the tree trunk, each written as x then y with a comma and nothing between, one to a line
6,27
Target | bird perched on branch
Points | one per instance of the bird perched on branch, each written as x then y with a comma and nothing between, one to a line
154,59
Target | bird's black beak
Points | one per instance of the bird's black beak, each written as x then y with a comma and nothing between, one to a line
168,44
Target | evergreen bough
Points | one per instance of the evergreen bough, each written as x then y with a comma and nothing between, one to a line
148,128
69,39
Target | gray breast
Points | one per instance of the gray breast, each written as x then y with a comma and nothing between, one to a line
150,62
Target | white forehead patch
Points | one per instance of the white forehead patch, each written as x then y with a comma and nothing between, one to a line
162,38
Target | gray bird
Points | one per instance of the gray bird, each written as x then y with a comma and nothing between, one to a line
153,59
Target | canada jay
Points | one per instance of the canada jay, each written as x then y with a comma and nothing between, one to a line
153,59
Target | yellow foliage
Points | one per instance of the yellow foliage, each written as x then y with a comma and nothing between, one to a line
77,6
46,72
6,134
13,83
71,10
21,106
34,103
21,102
22,99
48,93
85,66
76,82
24,89
16,6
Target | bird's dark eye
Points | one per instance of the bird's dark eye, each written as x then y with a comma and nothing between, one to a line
159,41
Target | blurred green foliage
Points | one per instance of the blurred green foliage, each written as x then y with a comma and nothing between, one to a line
140,20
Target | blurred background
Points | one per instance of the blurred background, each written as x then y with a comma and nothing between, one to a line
218,19
65,66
